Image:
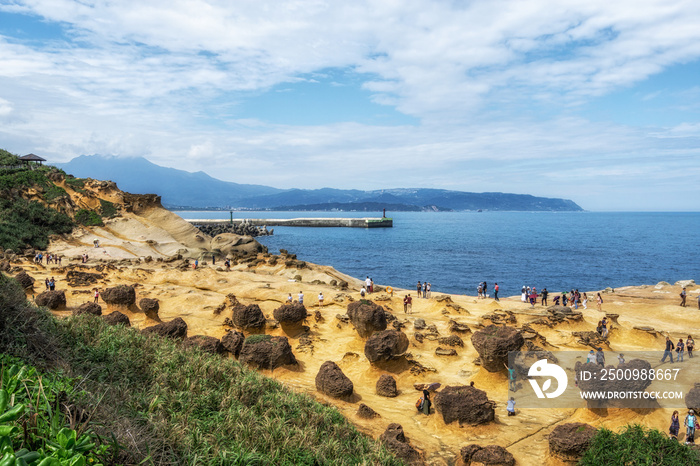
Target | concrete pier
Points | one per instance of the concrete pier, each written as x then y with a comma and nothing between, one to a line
302,222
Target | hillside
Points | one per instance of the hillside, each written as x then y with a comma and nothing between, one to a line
198,190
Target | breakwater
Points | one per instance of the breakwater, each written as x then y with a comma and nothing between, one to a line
377,222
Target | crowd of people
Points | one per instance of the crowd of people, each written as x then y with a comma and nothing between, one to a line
50,258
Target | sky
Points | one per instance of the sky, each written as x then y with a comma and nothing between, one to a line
594,101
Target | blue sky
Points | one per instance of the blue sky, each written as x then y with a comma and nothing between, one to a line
594,101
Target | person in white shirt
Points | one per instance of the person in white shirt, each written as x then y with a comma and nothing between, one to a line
301,298
368,282
320,299
591,357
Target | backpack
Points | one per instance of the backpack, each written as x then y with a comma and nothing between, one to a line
419,404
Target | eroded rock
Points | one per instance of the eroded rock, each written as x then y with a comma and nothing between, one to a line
367,317
568,442
88,308
386,386
332,381
121,295
266,352
232,342
55,299
395,441
493,344
490,455
386,345
465,404
176,328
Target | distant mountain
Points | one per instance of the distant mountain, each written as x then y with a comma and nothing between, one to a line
179,188
176,187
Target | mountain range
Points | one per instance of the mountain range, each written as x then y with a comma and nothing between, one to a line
182,189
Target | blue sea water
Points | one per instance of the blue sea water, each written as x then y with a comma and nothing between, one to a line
455,251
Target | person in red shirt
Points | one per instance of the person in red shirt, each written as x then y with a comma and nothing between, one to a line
495,291
407,301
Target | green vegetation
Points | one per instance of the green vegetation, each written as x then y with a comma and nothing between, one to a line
77,184
7,158
25,223
53,192
153,402
253,339
107,209
639,446
88,218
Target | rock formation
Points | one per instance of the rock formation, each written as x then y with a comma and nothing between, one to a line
365,412
493,344
386,345
121,295
266,352
24,279
176,328
233,342
386,386
290,316
88,308
55,299
367,317
395,441
332,381
205,343
465,404
248,318
150,307
490,455
568,442
116,318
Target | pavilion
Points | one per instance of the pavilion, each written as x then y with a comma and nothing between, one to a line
31,159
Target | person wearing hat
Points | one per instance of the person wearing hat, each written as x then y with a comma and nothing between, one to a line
600,357
591,357
683,295
690,423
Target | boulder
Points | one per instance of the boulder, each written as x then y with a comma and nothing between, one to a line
491,455
445,351
568,442
150,307
88,308
386,345
493,344
121,295
395,441
176,328
55,299
116,318
685,283
365,412
248,317
290,317
236,245
24,279
419,324
367,317
331,381
465,404
233,342
205,343
452,340
266,352
386,386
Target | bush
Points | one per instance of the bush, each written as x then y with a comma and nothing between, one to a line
30,223
52,192
639,446
107,209
88,218
76,184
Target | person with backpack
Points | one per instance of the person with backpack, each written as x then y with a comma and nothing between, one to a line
423,404
668,351
680,347
690,425
511,378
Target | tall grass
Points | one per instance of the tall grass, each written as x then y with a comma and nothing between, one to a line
639,446
164,404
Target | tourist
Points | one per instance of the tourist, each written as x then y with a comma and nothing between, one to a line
604,323
599,328
60,257
419,288
510,407
689,345
483,290
46,282
362,292
599,302
426,402
600,357
680,346
97,295
533,297
425,289
689,424
683,295
544,296
564,299
523,294
320,299
371,285
405,304
290,299
471,384
213,259
590,357
301,297
511,378
410,304
675,425
495,291
227,264
621,358
585,300
428,287
368,283
196,264
668,351
480,291
52,284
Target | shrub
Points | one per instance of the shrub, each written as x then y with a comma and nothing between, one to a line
52,192
76,184
30,223
107,209
88,218
639,446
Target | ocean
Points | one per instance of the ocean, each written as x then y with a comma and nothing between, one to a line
454,251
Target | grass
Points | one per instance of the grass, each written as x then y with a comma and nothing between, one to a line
164,404
639,446
88,218
30,223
